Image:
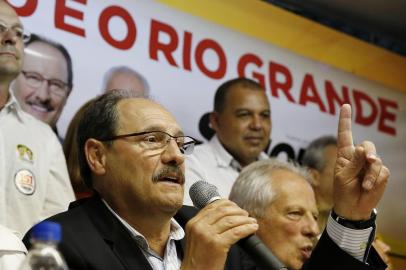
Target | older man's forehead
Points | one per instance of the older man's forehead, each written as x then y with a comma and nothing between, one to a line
147,115
142,106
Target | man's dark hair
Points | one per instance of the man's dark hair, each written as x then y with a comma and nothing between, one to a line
221,92
314,156
59,47
99,121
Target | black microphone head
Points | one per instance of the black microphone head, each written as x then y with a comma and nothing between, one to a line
202,193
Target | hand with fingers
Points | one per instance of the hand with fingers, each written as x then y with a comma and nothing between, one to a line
211,233
359,176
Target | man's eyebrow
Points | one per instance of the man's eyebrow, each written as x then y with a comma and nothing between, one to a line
179,133
153,128
242,110
13,25
18,25
163,129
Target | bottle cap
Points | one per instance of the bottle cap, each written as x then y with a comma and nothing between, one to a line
47,231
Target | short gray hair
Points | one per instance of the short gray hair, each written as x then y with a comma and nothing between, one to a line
126,70
98,121
314,155
253,189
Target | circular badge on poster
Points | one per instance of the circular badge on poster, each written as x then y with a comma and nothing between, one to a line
25,182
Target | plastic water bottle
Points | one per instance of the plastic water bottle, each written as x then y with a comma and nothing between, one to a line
44,254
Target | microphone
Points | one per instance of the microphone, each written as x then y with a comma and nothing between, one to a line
203,193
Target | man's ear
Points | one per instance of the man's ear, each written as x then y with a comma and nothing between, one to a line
95,152
315,177
214,120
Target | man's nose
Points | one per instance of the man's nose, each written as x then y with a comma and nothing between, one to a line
311,227
43,93
256,122
172,153
9,37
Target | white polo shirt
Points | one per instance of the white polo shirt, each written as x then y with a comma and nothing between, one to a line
212,163
34,181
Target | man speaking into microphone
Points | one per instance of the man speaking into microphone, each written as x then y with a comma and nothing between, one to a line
131,152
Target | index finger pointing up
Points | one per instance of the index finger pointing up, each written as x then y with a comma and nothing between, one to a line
345,144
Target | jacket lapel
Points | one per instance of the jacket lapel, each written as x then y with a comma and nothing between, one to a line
116,236
120,241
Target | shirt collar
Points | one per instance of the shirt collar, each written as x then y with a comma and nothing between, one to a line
221,155
176,231
12,106
224,158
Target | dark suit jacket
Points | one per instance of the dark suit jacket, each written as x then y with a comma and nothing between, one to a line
94,239
327,255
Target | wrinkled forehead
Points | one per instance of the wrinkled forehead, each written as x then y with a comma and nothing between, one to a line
8,15
139,114
291,186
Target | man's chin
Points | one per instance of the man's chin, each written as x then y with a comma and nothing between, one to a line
11,69
174,205
255,152
173,198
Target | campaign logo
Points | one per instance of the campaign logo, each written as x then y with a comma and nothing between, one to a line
25,182
25,153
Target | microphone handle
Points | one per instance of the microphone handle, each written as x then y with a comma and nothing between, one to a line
260,254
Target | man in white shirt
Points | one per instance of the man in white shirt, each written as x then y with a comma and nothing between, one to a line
242,122
34,181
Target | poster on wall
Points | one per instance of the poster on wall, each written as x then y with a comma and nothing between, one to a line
184,59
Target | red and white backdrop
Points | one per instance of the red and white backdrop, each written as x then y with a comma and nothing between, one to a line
185,58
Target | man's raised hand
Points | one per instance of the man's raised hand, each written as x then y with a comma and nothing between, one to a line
359,175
